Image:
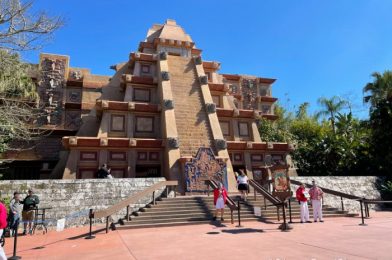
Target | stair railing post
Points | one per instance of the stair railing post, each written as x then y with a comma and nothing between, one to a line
265,203
362,217
90,235
254,190
277,212
107,224
291,221
341,201
232,216
128,213
239,213
367,209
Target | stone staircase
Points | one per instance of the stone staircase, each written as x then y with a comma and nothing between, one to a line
191,117
186,210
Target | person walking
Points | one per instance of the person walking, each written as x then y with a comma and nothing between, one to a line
220,198
302,197
316,195
3,225
242,181
29,205
15,213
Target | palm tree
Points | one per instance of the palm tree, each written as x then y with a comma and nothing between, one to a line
330,107
380,89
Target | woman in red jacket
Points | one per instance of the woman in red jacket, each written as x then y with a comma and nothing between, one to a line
302,197
220,197
3,225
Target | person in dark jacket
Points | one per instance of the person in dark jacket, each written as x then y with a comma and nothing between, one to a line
29,204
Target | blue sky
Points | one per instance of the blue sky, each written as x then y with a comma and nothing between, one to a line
314,48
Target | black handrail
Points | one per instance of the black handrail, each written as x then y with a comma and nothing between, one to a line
275,201
329,191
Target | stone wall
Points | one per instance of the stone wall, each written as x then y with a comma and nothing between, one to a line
72,199
361,186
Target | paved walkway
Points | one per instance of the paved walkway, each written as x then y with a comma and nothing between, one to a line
337,238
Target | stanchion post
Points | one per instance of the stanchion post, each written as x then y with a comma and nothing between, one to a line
90,235
14,256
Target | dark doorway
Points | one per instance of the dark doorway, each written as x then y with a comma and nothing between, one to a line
148,171
237,168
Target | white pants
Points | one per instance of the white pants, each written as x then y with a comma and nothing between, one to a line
2,254
317,210
304,211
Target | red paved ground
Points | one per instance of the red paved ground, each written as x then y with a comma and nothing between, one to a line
338,238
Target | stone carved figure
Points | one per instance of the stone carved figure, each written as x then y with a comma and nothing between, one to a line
76,75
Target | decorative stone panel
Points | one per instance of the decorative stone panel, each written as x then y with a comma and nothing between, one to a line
173,143
220,144
165,75
211,108
203,80
198,60
168,104
163,55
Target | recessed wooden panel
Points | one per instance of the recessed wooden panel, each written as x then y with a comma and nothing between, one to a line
216,100
144,124
225,126
118,172
141,95
145,69
243,128
237,157
117,123
87,173
88,156
142,156
153,156
256,157
118,156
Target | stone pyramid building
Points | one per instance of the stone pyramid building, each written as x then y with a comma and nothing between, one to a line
166,102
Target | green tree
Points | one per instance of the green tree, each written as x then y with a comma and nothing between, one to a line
379,96
330,107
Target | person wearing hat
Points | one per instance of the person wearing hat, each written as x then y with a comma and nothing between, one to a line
29,205
316,194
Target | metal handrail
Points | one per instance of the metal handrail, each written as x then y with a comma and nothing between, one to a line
132,199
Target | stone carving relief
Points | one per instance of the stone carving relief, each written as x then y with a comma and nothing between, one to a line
72,119
76,75
204,167
51,85
249,93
